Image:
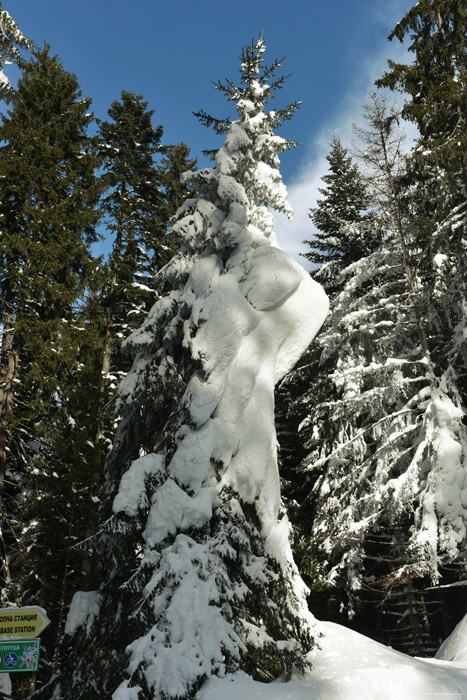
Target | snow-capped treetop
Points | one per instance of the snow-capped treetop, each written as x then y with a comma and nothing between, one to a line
193,494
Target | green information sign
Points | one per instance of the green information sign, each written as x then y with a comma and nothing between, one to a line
21,655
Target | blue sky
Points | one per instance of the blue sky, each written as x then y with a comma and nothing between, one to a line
172,51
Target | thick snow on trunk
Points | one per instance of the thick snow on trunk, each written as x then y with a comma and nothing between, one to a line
251,317
220,582
253,326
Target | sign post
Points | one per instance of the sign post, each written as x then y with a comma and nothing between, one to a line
21,655
19,648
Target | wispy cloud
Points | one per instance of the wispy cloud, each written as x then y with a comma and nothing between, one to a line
303,189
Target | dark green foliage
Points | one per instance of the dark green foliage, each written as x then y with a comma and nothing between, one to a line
173,164
141,196
371,414
48,198
436,101
133,205
48,209
435,83
342,236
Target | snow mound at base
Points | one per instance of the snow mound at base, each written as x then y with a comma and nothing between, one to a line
454,648
349,666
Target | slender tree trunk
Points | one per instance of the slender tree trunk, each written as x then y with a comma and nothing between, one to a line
8,373
413,291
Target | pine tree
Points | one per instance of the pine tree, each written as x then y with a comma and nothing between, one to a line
48,197
196,568
358,412
133,206
338,242
434,87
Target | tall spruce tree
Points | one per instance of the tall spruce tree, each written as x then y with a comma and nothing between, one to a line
434,86
48,197
435,89
346,233
140,198
141,194
387,522
337,242
359,412
174,162
197,577
133,205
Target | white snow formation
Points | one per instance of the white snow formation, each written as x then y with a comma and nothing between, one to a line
244,312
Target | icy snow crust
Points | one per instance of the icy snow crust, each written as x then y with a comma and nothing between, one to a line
247,312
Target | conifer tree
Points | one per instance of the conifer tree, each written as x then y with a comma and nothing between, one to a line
140,197
133,204
338,242
174,162
355,421
48,197
434,88
346,233
384,518
197,577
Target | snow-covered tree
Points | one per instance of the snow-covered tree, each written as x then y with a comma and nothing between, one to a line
347,232
434,85
341,238
11,40
355,380
197,574
384,427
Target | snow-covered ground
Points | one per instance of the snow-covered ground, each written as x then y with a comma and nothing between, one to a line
349,666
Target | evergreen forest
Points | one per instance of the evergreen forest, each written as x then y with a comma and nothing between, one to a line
115,370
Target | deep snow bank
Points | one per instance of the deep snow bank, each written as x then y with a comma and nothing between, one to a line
349,666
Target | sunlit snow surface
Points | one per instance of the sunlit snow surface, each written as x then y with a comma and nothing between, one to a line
349,666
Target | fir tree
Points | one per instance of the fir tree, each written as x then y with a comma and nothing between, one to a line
356,423
384,520
48,205
193,557
434,87
133,206
346,233
338,242
174,163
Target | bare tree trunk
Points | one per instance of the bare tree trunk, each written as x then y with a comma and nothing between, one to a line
8,373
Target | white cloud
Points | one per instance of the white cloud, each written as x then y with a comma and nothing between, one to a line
303,189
